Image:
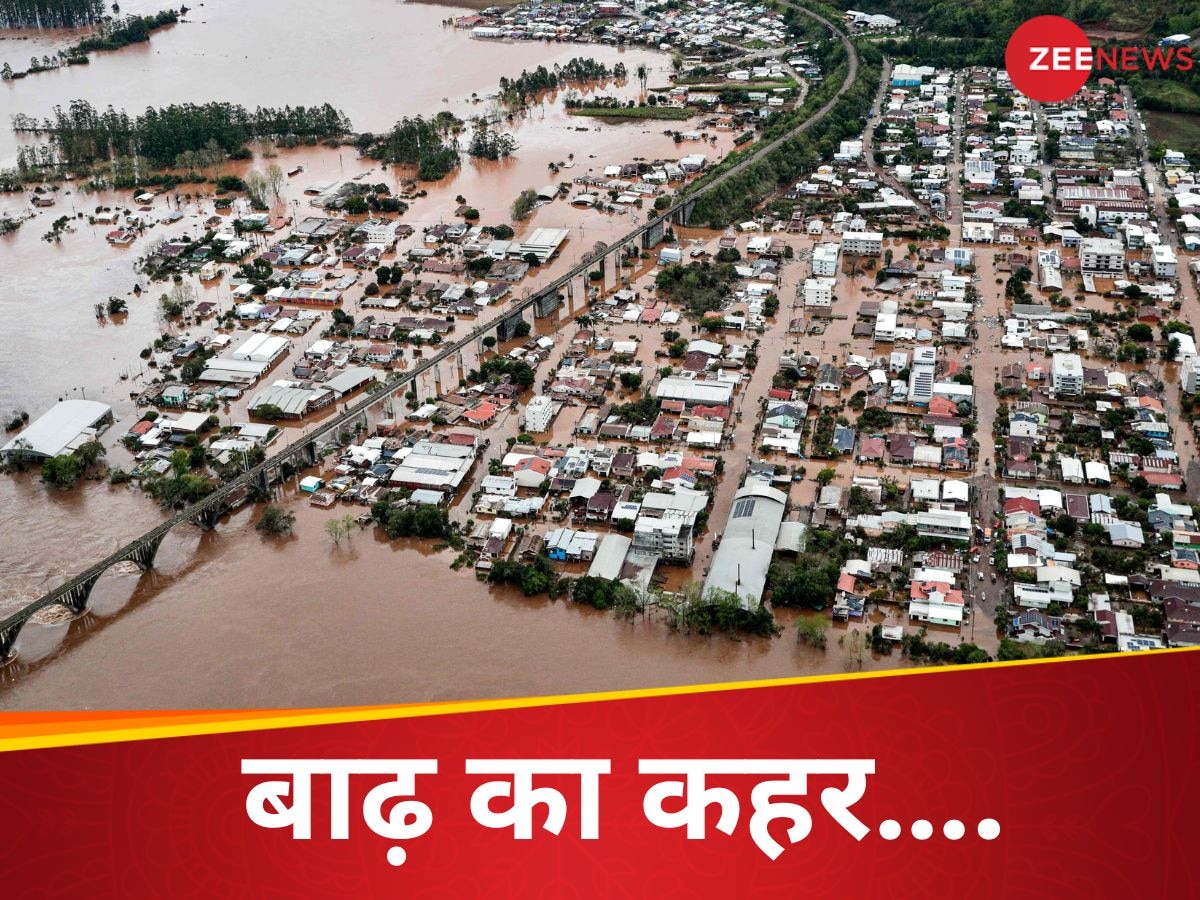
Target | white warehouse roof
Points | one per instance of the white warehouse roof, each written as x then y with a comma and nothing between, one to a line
60,429
692,391
748,543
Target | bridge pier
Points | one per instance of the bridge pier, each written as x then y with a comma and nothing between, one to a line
262,485
210,514
144,555
653,234
310,454
683,215
507,329
76,599
546,305
8,640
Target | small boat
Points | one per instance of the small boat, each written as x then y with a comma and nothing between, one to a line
295,171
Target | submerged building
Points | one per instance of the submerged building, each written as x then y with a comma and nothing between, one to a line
61,429
748,542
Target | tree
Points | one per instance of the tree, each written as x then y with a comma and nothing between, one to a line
524,204
89,452
1140,332
268,411
855,648
810,582
522,329
339,529
487,144
276,180
181,296
811,630
411,521
825,476
276,520
258,189
356,205
631,381
63,471
228,183
181,461
490,341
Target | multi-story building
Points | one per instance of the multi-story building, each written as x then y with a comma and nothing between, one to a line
1163,260
818,291
948,524
1066,371
863,243
666,524
1101,255
1189,374
539,413
825,260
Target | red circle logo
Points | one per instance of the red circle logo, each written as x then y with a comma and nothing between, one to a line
1048,59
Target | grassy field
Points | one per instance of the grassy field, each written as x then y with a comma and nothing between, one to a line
671,113
1173,95
1178,131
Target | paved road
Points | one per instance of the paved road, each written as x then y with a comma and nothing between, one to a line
1185,439
881,173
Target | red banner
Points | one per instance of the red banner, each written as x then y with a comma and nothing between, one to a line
1034,780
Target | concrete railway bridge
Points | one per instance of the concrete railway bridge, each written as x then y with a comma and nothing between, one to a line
306,451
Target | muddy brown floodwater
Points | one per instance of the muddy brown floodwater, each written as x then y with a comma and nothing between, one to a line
229,618
233,619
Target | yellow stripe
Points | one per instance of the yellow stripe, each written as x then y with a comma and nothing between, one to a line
339,716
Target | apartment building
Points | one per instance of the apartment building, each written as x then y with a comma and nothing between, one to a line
1066,370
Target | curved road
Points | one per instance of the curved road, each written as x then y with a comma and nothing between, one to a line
11,625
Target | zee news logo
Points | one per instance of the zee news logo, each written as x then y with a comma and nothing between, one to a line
1118,59
1049,59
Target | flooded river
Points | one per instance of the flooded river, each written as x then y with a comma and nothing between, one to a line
234,619
229,618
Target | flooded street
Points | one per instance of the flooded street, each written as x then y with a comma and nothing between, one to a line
230,618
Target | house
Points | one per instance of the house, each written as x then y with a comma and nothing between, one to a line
937,603
1126,534
531,472
1034,626
567,544
482,415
